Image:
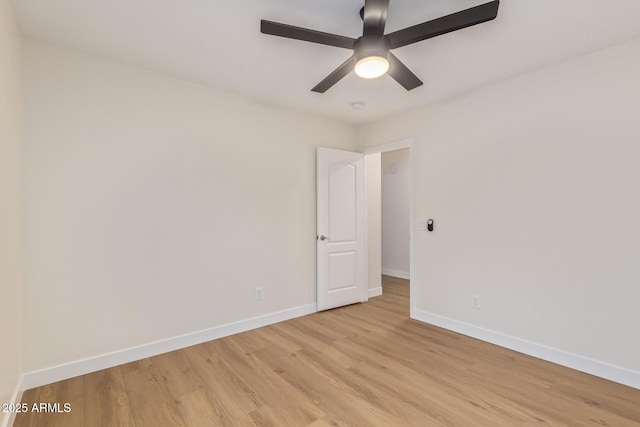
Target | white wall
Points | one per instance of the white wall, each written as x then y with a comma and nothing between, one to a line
154,206
10,205
396,191
374,222
533,185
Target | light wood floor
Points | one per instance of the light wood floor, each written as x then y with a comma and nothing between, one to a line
363,365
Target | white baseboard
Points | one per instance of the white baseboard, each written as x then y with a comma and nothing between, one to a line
9,418
396,273
109,360
550,354
375,292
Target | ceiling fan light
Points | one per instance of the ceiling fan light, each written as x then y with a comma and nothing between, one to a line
372,67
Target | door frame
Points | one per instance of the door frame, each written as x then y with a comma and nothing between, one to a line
393,146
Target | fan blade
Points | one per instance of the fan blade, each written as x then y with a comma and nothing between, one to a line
402,74
336,76
446,24
298,33
375,17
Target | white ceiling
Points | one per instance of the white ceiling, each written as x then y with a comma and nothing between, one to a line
218,43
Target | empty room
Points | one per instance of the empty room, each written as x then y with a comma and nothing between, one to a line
315,213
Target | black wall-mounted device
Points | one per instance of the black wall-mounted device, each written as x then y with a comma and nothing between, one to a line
430,224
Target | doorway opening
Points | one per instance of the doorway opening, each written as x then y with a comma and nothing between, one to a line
389,216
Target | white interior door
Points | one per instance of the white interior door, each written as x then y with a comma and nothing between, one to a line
340,229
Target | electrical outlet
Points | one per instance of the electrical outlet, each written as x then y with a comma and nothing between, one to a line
259,293
475,302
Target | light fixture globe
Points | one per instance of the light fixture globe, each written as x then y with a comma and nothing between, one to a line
371,67
372,56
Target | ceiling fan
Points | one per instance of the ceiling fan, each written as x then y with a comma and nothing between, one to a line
372,55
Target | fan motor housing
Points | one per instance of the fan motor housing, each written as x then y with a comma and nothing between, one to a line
371,45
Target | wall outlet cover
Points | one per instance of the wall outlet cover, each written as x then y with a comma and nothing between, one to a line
475,302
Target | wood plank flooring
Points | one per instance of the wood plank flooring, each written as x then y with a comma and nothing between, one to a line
362,365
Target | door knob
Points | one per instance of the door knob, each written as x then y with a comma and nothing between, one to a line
323,237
